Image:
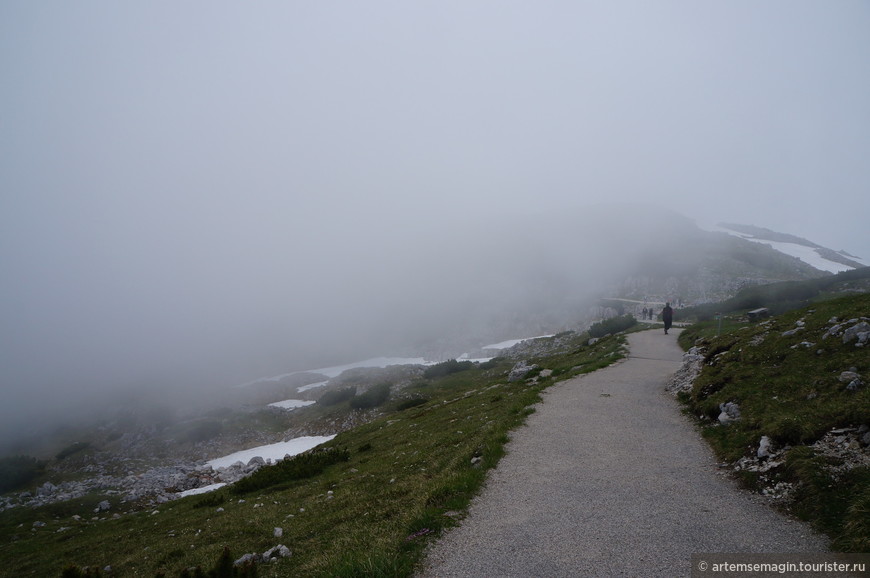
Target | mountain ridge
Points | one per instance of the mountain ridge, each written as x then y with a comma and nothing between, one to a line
761,235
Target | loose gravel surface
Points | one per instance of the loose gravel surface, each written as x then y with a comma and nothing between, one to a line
608,478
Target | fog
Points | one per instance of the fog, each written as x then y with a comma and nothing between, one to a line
201,194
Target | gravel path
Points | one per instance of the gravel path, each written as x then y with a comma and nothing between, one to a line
608,478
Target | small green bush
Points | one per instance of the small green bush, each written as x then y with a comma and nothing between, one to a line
17,471
300,467
446,368
375,396
212,500
492,363
612,325
411,402
71,449
337,396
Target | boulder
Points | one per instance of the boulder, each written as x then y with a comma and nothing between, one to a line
859,331
247,559
279,551
274,553
46,489
520,370
854,385
729,412
764,448
685,376
848,376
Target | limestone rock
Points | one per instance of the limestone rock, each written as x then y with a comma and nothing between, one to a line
764,448
693,361
520,370
279,551
859,331
729,412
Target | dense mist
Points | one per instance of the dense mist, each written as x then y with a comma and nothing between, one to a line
194,196
173,321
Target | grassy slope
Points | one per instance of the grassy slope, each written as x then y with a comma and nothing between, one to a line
791,393
410,474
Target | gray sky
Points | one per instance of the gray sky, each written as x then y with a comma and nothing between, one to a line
180,180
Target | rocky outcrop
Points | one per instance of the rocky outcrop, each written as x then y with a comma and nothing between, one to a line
152,487
541,346
857,330
693,362
270,555
520,371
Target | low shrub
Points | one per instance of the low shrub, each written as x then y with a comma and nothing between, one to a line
446,368
211,500
492,363
612,325
411,402
306,465
337,396
71,449
17,471
375,396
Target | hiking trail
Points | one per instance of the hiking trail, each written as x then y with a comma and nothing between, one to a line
608,478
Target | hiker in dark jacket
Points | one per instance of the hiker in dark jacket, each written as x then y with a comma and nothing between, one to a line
667,316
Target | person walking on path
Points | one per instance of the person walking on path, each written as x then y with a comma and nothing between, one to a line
667,316
609,478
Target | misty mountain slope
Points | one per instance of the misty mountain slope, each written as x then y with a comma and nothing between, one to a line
434,292
818,256
684,263
550,268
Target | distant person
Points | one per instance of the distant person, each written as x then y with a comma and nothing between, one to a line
644,314
667,316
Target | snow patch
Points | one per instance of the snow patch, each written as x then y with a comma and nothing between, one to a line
374,362
272,452
806,254
202,490
291,403
337,370
511,342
